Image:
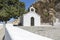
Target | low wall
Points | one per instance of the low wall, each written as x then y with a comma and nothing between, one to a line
15,33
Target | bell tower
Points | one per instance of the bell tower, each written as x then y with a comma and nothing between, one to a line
32,9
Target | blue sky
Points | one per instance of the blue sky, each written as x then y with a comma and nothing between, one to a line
28,2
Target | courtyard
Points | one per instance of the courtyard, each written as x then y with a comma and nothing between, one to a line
52,32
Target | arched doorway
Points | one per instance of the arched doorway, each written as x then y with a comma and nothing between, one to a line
32,21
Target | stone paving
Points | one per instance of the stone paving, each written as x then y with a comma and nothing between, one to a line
2,32
47,31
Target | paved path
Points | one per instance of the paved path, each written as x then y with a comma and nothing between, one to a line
16,33
47,31
2,32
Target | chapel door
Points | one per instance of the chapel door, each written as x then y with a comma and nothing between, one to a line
32,21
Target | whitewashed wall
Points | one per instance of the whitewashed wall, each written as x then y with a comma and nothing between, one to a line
16,33
27,19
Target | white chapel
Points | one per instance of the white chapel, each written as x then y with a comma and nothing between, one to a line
31,18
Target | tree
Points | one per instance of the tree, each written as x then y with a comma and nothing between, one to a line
11,8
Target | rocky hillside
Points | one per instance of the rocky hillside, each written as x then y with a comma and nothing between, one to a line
47,9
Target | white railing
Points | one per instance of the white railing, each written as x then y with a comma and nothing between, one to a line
15,33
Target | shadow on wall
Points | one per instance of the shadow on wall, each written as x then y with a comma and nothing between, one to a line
7,36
